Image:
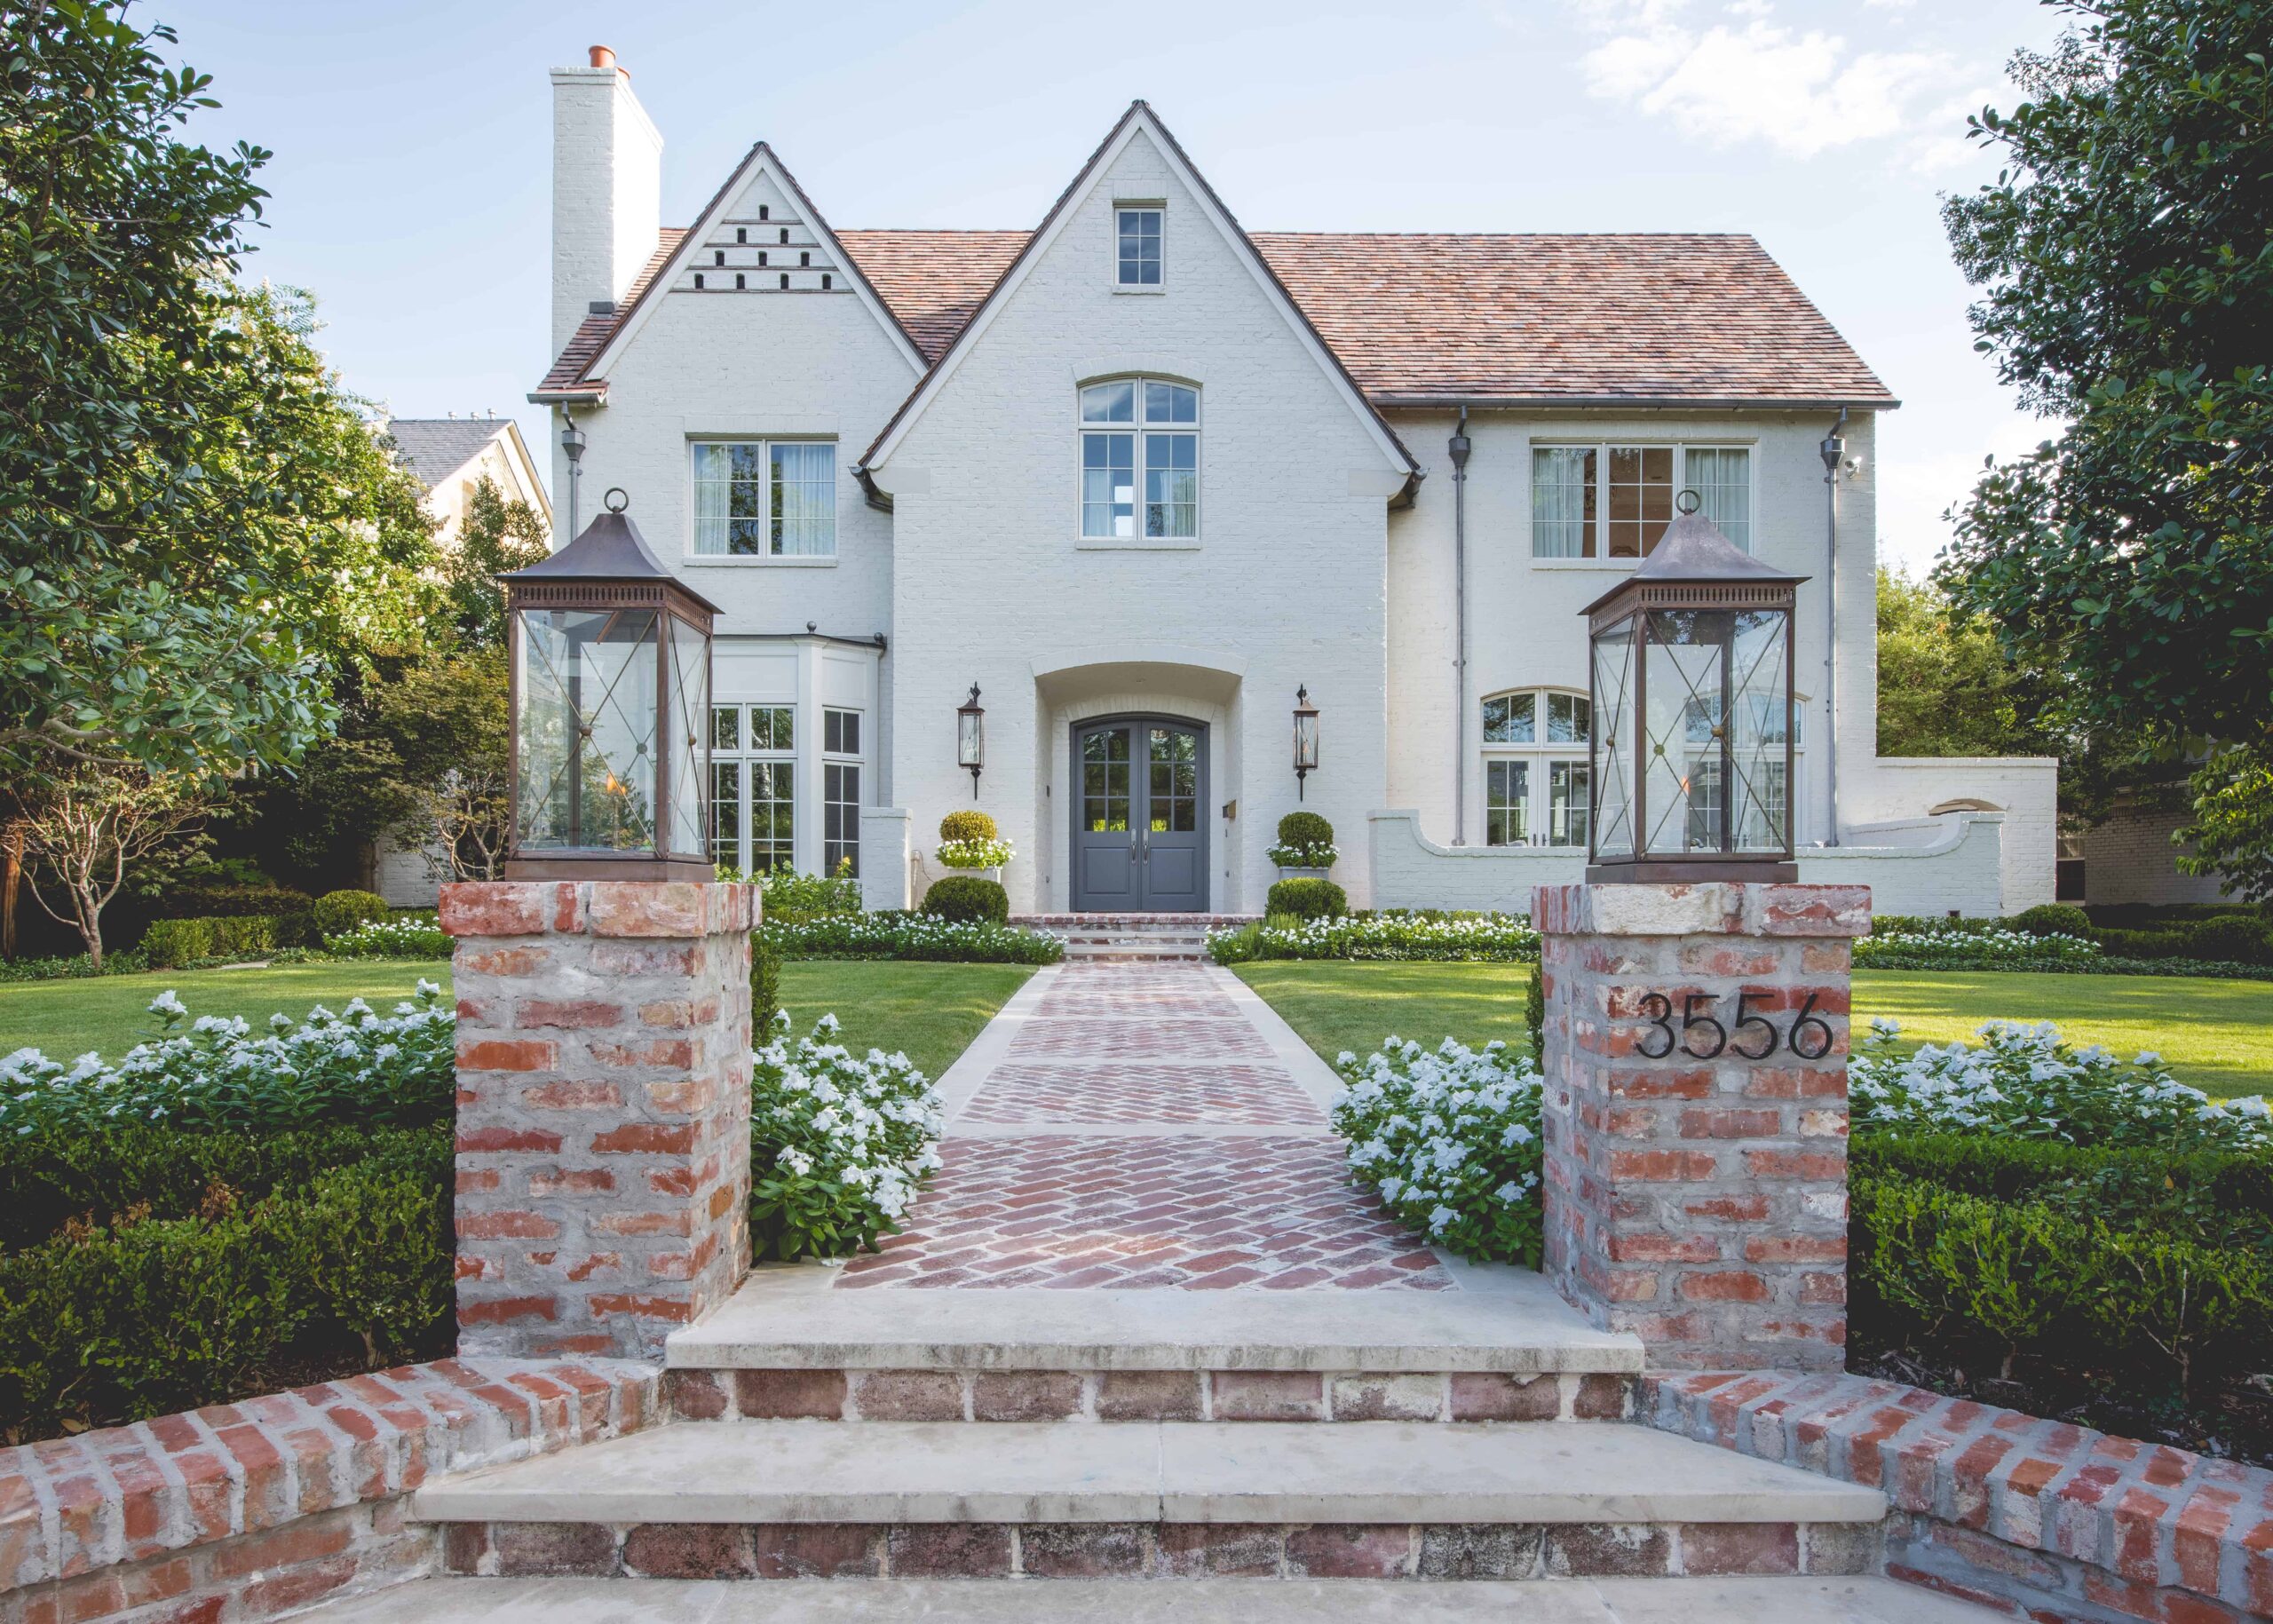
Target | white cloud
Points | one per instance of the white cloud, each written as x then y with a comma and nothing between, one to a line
1801,92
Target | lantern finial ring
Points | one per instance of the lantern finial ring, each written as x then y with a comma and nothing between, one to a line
1687,501
616,500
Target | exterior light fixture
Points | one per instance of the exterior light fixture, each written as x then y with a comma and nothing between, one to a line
1305,738
572,446
1691,681
971,738
610,688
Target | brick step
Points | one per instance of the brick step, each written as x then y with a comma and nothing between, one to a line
1294,1600
1108,1396
1367,1500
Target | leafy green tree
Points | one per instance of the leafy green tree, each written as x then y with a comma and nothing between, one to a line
194,522
1945,685
2124,255
495,537
2232,830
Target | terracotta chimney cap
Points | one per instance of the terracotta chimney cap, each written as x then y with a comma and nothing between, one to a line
603,57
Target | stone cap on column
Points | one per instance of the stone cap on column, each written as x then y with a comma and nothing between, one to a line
599,907
1711,907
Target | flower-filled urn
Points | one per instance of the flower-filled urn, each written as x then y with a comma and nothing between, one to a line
1691,673
611,682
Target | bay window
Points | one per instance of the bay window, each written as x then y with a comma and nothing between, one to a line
1614,501
753,787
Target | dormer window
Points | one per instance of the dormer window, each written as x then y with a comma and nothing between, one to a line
1139,235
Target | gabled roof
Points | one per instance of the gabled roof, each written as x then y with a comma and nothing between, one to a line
1141,118
436,447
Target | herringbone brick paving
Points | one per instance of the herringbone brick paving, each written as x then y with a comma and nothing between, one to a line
1127,1046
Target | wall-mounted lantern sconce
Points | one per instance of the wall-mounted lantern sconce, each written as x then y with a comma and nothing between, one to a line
971,738
1305,738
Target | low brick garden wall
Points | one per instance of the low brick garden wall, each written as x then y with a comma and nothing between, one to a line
245,1511
2010,1510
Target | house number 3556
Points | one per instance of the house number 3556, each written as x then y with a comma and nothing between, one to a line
1752,1034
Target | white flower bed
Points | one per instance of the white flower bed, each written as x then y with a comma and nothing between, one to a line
839,1143
1380,936
2023,1081
397,1070
1975,949
1449,1139
418,936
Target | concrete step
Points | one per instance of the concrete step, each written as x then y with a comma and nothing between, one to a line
1128,1601
889,1475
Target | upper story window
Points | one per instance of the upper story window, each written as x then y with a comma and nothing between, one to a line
1614,501
1536,775
1138,229
1133,428
768,499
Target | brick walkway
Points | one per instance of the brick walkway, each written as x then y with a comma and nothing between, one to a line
1139,1129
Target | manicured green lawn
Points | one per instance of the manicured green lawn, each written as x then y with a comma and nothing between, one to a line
931,1010
2217,1035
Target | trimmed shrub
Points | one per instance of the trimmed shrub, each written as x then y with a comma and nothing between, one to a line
1535,1014
1307,899
895,934
764,985
789,897
967,826
1400,935
965,899
169,944
294,910
337,912
1304,829
2054,919
2244,939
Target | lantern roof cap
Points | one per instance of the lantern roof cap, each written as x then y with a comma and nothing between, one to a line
1694,551
610,548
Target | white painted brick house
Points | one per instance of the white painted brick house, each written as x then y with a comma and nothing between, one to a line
1140,475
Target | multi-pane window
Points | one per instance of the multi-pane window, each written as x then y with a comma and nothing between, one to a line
753,787
1535,769
1614,501
1138,231
840,800
1133,431
770,499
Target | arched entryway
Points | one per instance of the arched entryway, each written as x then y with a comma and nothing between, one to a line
1140,815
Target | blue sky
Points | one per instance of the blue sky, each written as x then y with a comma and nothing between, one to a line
411,178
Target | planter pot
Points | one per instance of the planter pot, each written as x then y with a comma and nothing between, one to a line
1303,874
993,873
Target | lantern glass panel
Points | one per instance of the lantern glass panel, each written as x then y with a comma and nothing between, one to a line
587,730
1684,767
1306,741
690,820
1613,741
970,743
1760,732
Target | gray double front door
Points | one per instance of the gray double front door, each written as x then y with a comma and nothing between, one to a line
1140,831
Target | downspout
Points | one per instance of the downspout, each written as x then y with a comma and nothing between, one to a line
1833,450
1458,447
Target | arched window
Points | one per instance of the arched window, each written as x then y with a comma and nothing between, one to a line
1535,768
1133,430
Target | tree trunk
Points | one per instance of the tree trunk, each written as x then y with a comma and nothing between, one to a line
12,874
90,926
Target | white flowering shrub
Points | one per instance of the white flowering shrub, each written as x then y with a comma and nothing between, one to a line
840,1142
895,935
1379,936
2025,1082
416,935
976,853
379,1071
1449,1139
1975,949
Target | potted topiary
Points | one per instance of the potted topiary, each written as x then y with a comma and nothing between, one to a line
1305,849
970,842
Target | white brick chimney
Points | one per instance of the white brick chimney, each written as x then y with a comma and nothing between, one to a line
608,173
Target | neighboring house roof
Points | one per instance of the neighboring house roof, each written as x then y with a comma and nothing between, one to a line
436,447
1701,319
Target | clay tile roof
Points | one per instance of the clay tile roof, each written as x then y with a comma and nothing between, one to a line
933,279
1597,317
592,333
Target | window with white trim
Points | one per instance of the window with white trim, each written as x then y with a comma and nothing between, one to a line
1136,429
765,498
753,787
1535,768
1614,501
840,799
1137,234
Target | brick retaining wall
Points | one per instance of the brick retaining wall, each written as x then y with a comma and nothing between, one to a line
249,1511
2029,1516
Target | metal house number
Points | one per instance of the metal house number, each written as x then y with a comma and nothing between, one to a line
1698,1026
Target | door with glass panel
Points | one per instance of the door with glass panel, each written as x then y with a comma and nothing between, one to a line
1140,843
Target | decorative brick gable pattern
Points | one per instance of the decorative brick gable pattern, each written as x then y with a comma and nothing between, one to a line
245,1511
1700,1203
603,1128
2034,1517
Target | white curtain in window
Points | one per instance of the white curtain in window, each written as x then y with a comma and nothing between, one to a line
1722,477
1562,481
804,500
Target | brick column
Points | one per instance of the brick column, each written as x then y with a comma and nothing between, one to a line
603,1126
1700,1202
